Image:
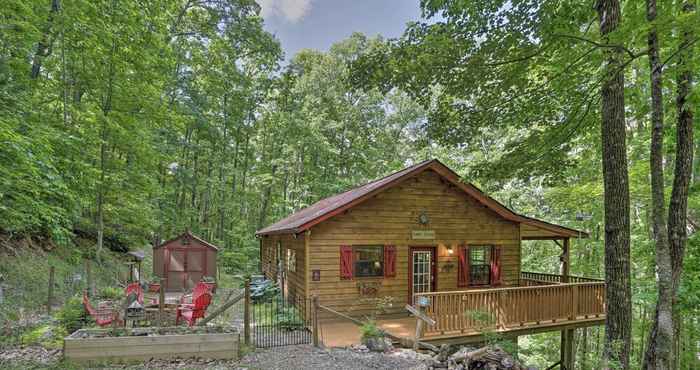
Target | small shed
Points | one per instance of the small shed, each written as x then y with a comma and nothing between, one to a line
183,261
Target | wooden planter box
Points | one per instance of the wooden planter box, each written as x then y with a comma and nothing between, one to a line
139,347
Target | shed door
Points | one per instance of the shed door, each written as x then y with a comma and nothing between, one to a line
176,270
195,267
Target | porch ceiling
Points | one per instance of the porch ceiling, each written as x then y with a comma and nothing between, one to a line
539,230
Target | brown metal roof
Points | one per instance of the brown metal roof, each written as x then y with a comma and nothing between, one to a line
191,236
320,211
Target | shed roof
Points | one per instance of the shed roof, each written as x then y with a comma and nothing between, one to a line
188,234
304,219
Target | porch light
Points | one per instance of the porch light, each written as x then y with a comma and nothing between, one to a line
449,249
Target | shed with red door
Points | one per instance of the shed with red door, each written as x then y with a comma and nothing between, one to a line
184,261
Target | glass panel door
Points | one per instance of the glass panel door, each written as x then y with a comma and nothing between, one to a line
422,271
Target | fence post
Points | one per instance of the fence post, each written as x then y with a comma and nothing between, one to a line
314,317
246,313
90,281
49,299
161,302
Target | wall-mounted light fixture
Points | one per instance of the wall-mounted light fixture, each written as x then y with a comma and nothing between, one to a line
449,250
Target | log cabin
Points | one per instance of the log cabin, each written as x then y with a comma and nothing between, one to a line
423,232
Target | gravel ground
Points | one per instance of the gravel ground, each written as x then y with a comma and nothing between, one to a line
282,358
308,357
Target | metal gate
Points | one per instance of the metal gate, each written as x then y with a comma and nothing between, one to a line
276,321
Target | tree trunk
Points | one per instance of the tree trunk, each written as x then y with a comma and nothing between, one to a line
617,203
43,49
658,351
678,208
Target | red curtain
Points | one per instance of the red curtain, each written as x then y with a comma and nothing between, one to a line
346,263
463,266
389,261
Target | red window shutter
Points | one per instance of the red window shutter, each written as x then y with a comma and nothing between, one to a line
496,265
346,263
389,261
463,266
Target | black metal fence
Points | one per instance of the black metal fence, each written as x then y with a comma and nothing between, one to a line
279,321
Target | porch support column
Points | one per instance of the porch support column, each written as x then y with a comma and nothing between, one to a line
567,335
564,264
567,349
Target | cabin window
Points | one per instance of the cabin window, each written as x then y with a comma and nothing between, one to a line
291,260
369,261
479,265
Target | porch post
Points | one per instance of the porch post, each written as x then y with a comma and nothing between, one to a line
567,335
567,349
564,265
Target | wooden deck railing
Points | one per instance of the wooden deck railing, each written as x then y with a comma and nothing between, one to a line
506,308
538,278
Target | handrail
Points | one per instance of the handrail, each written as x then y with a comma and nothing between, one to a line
470,291
545,277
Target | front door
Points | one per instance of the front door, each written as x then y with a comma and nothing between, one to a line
421,266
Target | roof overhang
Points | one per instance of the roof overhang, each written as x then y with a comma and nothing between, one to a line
531,228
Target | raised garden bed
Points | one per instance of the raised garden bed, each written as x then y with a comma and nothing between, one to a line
124,344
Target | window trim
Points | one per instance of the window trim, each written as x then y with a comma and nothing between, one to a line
488,249
355,260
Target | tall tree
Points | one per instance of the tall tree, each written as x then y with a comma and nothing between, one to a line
618,320
658,352
678,208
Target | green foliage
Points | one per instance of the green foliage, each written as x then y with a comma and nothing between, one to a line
369,330
48,336
111,293
71,315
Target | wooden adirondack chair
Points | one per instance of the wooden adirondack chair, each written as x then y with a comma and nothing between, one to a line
195,310
198,289
103,317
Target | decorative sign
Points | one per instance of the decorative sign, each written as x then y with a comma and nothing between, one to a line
415,312
423,234
423,218
369,288
315,275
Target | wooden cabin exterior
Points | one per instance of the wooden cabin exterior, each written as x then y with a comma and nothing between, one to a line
183,261
422,232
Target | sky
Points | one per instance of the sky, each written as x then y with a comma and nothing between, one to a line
317,24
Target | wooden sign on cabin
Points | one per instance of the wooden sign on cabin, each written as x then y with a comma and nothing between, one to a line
423,234
368,288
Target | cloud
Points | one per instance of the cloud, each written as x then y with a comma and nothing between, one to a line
291,10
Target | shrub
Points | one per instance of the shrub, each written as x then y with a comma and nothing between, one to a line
111,293
49,336
370,330
72,315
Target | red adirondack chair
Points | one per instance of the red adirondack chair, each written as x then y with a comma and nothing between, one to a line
196,292
195,310
135,288
103,317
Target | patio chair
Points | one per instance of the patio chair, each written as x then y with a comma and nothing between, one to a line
103,316
195,310
196,292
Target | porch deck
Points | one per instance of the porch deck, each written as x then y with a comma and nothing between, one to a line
541,303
